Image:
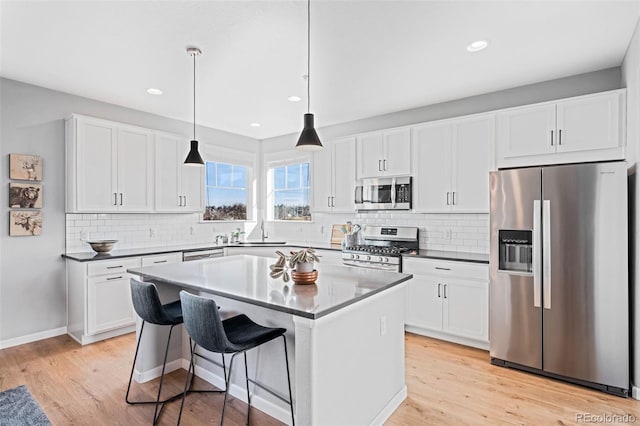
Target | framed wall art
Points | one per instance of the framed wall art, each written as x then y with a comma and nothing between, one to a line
25,195
25,167
25,223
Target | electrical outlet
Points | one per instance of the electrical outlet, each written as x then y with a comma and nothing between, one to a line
321,229
447,233
153,233
383,325
84,235
192,230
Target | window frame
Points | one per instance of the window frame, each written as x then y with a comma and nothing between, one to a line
282,159
211,153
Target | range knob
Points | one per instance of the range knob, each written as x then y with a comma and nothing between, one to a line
368,257
381,259
353,256
357,256
386,259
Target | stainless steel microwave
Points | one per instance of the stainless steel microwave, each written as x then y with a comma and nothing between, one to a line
383,194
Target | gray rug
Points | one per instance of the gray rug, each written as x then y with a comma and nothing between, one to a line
18,408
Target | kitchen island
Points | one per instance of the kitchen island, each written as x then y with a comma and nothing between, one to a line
347,334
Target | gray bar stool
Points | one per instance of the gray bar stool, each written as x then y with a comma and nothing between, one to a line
235,335
147,305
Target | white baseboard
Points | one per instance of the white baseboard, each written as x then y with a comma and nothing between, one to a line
447,337
275,411
391,406
635,392
32,337
154,373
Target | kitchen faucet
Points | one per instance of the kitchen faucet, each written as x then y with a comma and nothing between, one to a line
263,236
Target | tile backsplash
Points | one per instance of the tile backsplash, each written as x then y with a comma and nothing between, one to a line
452,232
141,230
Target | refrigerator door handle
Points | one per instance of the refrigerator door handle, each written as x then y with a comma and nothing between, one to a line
546,252
537,294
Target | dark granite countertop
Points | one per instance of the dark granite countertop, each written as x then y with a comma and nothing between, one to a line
87,256
451,255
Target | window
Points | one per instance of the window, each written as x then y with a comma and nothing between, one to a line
226,191
290,186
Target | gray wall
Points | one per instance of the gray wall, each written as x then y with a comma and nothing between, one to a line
631,80
32,273
581,84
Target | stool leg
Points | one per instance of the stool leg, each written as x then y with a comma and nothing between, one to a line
133,366
286,360
226,386
156,414
246,376
186,383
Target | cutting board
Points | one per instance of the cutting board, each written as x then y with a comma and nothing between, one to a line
337,236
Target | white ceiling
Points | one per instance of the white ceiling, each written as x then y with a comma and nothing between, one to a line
367,57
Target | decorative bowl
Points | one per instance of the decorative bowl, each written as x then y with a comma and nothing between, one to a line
102,246
304,277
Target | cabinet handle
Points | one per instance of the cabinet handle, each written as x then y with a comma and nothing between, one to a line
121,198
114,278
179,200
439,285
115,199
445,291
159,261
384,165
453,198
185,201
560,137
448,198
552,138
379,165
443,269
328,201
114,267
333,203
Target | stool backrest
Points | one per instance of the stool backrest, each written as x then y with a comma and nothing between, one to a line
203,323
146,303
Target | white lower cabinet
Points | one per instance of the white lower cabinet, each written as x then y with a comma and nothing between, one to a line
448,300
99,296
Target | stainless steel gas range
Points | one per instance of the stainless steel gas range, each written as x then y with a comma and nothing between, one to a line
382,248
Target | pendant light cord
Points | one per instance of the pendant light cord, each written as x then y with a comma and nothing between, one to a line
194,96
308,56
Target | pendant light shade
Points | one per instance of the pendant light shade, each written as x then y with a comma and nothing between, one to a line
194,158
309,140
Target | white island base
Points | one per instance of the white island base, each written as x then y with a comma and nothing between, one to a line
347,367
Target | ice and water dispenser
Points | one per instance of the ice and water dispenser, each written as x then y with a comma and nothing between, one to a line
516,251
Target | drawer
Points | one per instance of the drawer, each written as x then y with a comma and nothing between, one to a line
420,266
115,266
162,258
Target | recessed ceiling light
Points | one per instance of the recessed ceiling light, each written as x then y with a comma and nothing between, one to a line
294,98
254,124
154,91
477,46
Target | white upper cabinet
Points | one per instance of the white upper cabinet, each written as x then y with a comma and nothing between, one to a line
179,188
386,153
452,160
334,176
584,128
109,166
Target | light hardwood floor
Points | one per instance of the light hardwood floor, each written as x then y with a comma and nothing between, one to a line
448,384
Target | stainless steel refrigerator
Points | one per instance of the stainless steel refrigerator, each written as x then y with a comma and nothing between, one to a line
558,273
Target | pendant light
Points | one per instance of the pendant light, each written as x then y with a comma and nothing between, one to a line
308,140
194,158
